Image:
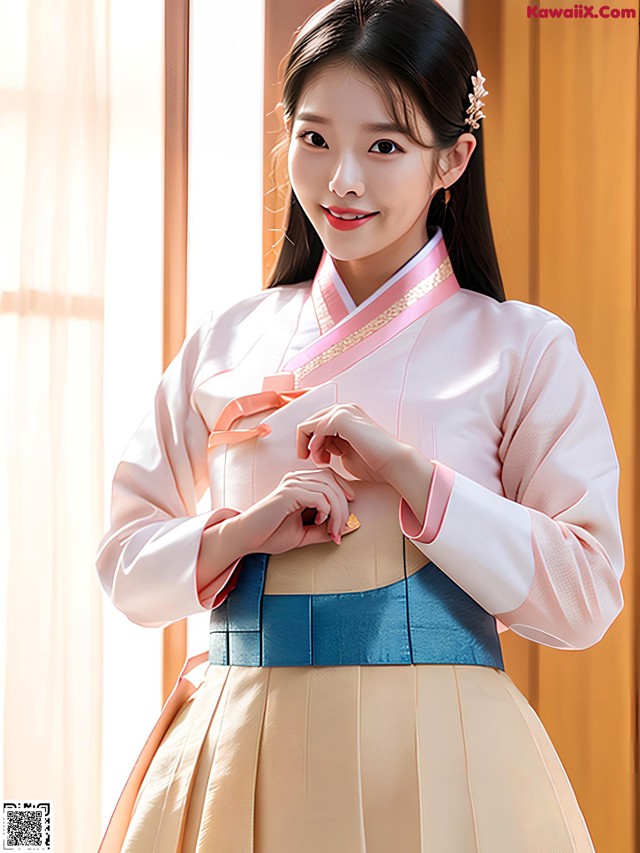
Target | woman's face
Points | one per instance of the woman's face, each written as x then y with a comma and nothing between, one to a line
335,160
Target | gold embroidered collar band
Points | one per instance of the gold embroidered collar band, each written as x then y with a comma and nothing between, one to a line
347,333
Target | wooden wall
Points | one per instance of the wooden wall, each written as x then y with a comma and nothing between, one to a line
562,160
176,161
282,18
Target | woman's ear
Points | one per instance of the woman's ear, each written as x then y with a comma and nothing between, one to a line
457,157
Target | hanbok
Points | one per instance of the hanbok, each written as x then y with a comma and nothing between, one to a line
353,696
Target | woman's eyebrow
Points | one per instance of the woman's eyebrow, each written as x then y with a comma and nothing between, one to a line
372,127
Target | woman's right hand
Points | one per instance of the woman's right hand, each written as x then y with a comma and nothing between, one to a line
275,523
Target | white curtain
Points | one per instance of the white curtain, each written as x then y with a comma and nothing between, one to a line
81,224
54,169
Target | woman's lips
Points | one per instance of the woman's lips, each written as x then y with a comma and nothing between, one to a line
346,224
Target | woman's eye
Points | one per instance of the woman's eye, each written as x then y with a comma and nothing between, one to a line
313,133
306,133
387,142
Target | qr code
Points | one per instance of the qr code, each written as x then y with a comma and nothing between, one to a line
26,825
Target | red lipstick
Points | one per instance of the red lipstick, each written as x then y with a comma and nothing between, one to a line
347,224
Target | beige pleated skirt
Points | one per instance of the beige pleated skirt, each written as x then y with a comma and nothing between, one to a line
347,759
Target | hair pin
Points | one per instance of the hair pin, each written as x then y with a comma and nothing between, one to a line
475,109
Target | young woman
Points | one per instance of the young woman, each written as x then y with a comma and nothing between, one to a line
402,464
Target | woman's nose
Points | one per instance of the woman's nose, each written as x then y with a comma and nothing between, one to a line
346,178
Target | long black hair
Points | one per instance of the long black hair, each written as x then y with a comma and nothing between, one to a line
415,53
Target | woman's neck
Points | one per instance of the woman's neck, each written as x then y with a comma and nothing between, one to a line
363,276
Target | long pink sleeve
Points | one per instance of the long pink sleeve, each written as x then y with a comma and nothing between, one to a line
147,560
438,498
546,558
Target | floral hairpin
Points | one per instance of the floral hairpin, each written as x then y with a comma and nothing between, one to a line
475,109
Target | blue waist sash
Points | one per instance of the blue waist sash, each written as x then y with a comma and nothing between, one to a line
423,618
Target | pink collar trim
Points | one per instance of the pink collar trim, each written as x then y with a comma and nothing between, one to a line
350,333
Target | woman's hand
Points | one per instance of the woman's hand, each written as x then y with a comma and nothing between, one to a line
278,522
345,430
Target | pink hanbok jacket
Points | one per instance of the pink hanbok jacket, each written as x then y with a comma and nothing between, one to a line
522,511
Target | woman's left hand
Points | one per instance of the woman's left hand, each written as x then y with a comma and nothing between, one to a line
345,430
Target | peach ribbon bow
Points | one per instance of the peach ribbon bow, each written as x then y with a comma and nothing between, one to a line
242,407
